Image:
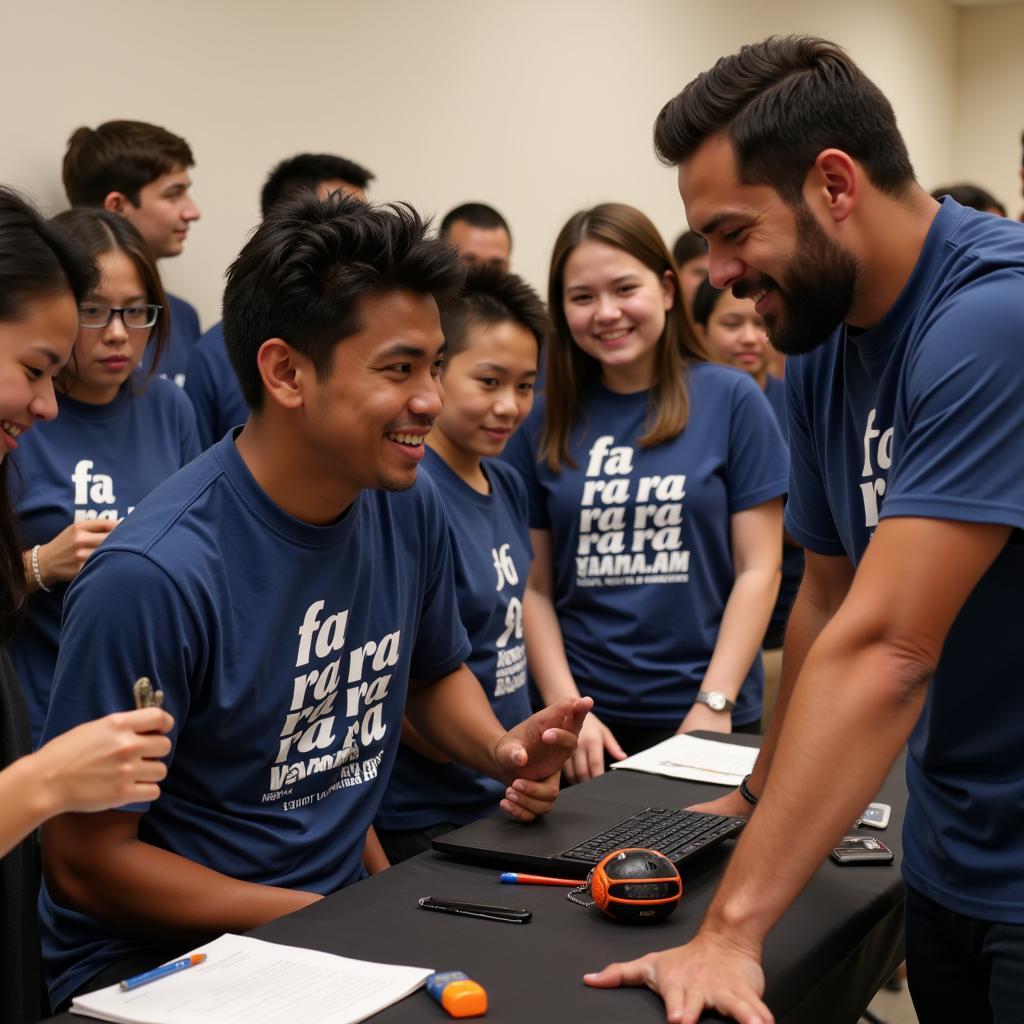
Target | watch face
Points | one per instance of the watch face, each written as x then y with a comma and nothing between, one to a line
714,699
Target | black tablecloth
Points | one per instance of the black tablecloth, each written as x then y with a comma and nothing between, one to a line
824,960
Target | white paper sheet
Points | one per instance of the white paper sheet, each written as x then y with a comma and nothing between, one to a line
687,757
248,981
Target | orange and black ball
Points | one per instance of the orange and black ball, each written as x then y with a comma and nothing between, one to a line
636,885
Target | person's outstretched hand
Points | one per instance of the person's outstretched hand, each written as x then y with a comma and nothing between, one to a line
708,973
532,753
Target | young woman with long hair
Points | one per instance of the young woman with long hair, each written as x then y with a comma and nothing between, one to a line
656,479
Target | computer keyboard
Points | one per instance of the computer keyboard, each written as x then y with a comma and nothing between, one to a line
677,834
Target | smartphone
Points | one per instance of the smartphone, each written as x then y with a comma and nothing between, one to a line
510,915
861,850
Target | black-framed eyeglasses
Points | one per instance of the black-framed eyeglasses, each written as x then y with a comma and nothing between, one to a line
93,314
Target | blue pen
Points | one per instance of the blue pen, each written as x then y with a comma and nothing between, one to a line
161,972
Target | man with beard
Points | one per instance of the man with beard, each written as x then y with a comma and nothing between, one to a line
906,408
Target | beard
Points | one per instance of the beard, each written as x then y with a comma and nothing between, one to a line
821,280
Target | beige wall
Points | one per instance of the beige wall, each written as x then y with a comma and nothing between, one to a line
990,101
540,107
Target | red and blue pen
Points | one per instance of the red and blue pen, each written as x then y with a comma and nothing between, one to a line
161,972
518,878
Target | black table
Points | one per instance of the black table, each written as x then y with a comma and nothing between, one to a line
824,961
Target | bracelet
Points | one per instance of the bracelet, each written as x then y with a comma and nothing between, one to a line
746,794
35,570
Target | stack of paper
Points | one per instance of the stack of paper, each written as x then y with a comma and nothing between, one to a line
686,757
252,982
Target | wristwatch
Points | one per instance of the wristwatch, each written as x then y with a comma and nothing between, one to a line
715,700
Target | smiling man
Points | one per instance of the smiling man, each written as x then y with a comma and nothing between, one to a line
906,409
211,382
281,591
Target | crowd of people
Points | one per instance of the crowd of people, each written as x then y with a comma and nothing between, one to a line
401,544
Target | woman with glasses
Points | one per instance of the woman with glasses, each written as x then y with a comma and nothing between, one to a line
119,433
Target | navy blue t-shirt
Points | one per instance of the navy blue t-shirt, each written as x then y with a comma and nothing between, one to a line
490,538
283,651
180,342
792,557
923,415
212,385
92,461
641,540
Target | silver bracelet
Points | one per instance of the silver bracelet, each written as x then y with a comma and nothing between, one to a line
35,570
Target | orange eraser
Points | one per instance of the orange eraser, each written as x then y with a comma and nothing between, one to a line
464,999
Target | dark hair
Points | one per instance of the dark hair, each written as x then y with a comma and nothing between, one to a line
689,245
493,296
571,373
302,274
704,301
119,156
99,232
478,215
971,195
307,171
781,102
37,261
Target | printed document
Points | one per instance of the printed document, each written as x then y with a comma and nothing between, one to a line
248,981
687,757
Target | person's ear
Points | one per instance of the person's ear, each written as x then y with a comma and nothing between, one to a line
833,184
669,284
284,372
115,202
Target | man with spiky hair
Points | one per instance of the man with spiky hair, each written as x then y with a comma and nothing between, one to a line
291,594
210,380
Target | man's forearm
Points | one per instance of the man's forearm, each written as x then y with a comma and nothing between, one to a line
414,740
808,617
134,883
847,721
454,715
375,859
806,622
